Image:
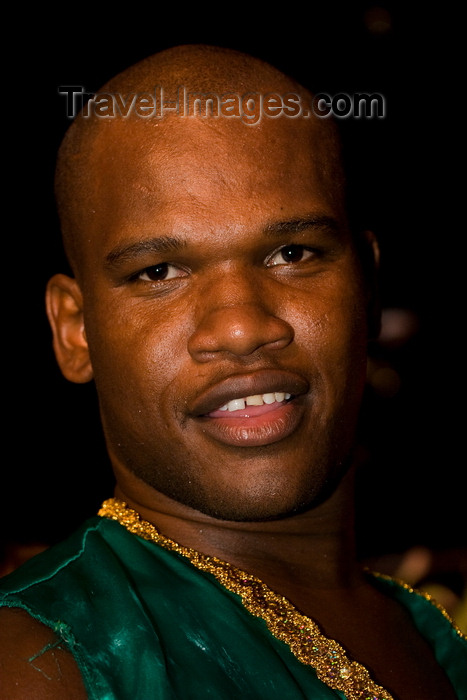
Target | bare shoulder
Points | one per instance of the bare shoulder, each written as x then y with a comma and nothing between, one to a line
33,662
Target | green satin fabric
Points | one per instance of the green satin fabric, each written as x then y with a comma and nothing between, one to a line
144,624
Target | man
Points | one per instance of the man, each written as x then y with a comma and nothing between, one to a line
222,305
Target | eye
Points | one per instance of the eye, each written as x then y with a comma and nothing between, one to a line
290,254
159,273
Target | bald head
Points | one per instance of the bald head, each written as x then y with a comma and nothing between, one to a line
202,68
232,91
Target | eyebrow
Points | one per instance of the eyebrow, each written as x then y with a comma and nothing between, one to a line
322,222
127,252
170,244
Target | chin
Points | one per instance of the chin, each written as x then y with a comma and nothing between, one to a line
253,494
259,506
277,501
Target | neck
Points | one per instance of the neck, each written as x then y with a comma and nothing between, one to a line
315,548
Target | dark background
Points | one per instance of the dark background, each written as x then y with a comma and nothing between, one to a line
411,490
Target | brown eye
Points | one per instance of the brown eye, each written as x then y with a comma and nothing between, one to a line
290,254
160,272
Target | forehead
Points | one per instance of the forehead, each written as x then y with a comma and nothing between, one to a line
213,173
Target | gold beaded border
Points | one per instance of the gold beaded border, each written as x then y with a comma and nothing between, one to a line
303,636
422,594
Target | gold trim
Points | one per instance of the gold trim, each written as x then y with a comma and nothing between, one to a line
422,594
303,636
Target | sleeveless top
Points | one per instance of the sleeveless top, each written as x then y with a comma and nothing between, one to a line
144,623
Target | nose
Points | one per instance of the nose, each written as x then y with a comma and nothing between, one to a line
237,326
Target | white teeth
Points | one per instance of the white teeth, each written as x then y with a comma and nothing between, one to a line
255,400
236,405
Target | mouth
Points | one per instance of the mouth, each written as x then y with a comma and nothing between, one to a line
248,406
252,410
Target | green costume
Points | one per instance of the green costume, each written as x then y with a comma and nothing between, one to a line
147,619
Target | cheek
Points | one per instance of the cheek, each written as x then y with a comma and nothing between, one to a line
136,354
332,328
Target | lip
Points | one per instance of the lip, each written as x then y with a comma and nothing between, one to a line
238,386
258,430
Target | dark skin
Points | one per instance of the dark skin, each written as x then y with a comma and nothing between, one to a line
217,263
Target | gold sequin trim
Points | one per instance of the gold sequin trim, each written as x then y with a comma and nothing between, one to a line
425,595
303,636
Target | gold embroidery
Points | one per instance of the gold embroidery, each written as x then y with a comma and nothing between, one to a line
425,595
285,622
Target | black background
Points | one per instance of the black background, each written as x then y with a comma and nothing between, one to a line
55,470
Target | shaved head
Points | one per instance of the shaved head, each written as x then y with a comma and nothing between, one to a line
199,70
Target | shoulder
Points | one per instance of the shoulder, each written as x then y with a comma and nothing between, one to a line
34,663
57,563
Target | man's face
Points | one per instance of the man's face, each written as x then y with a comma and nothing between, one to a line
225,312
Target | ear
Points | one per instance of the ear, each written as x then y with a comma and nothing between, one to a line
64,305
370,257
